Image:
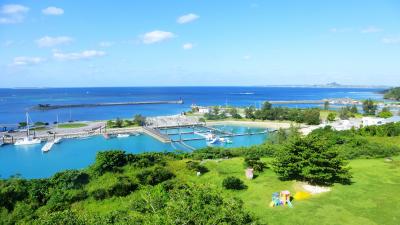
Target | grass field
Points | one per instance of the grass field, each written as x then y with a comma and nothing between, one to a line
72,125
373,198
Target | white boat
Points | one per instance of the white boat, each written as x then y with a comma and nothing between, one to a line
57,140
214,141
122,135
1,143
47,147
28,140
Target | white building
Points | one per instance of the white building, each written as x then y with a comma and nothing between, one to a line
204,110
371,121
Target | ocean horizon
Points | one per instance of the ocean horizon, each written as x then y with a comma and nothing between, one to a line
14,103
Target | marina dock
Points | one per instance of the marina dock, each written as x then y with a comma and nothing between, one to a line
156,134
51,107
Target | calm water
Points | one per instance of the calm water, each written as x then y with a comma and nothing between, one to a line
30,162
15,102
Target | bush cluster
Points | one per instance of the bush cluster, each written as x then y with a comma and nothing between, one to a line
233,183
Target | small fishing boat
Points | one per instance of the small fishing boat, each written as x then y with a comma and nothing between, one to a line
214,141
122,135
57,140
47,147
106,136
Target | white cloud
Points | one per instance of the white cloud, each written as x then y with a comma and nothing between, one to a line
156,36
187,46
391,40
54,11
187,18
106,44
12,13
14,9
25,60
371,29
48,41
87,54
340,30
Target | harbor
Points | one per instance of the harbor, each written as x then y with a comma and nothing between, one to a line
164,129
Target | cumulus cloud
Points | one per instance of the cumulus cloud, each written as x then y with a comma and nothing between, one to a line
25,60
106,44
156,36
391,40
187,18
371,29
187,46
87,54
48,41
12,13
53,11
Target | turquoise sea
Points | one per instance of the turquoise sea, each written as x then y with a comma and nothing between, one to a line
30,162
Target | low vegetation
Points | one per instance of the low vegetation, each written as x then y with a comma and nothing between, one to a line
71,125
267,112
163,188
138,120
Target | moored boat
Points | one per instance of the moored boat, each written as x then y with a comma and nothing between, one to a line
28,140
47,147
122,135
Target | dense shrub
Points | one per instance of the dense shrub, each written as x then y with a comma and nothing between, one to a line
196,166
211,153
386,130
146,159
109,161
267,112
311,159
190,205
255,163
39,191
99,194
154,176
61,200
362,148
233,183
70,179
11,191
123,187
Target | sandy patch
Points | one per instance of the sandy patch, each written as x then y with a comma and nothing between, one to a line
266,124
315,189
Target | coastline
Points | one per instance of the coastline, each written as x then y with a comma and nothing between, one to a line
262,124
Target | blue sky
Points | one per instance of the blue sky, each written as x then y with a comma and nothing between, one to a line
67,43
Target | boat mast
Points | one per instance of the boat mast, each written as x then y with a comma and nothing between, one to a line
27,123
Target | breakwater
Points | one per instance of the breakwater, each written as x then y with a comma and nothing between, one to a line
50,107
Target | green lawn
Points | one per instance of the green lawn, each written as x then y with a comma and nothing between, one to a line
373,198
72,125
